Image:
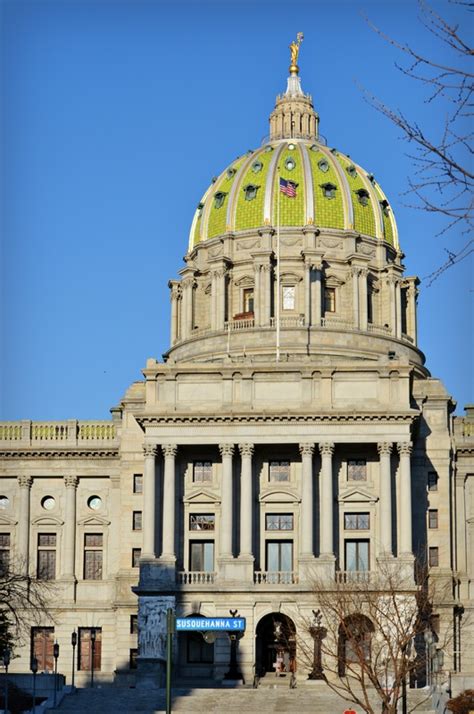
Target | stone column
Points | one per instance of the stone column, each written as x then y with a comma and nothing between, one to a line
326,499
393,306
69,558
385,514
213,300
307,293
257,295
316,308
169,497
355,297
405,540
149,501
246,502
23,540
266,294
412,327
174,311
398,294
220,307
307,505
363,273
227,451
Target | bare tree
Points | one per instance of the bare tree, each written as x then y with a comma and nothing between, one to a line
371,638
443,180
24,601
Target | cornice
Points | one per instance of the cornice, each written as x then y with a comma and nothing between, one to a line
160,419
59,453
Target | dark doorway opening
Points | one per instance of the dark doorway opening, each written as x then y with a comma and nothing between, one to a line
275,645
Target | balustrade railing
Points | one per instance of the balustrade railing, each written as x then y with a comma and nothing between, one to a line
268,577
354,576
289,321
195,577
70,432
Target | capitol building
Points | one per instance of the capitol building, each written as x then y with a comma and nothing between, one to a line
292,434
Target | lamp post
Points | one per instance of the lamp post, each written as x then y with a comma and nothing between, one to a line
234,638
428,636
73,643
318,633
34,669
93,636
6,662
55,655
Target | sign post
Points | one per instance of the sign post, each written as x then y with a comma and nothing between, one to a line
169,652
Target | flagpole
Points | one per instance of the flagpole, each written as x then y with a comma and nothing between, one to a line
277,310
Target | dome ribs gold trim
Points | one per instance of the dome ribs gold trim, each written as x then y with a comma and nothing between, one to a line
309,187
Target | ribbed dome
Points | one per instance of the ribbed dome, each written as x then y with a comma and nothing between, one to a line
332,192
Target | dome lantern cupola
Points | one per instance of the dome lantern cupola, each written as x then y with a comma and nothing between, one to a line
294,116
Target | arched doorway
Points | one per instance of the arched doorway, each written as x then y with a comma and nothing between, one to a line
355,636
275,645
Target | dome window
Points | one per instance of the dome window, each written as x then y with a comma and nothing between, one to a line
362,196
371,178
329,190
250,191
291,147
230,172
290,164
268,149
323,165
385,207
314,147
333,151
219,199
257,166
351,170
214,179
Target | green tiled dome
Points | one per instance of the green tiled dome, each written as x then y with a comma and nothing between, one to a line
332,192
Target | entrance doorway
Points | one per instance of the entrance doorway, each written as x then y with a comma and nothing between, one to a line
275,645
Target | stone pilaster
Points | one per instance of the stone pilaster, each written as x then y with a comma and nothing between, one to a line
326,500
68,569
385,534
405,523
227,451
23,540
307,504
169,501
149,502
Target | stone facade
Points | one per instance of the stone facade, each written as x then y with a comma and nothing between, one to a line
292,432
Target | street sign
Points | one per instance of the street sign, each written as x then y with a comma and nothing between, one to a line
210,624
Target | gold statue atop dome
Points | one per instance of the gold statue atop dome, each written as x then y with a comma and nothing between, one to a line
295,50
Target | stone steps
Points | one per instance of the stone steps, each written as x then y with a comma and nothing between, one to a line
304,700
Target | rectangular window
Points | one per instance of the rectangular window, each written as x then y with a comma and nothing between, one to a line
357,555
46,567
357,470
137,520
370,306
279,522
202,522
248,300
89,649
356,521
433,557
136,555
432,481
42,641
4,552
279,471
288,297
201,556
433,518
133,658
134,624
279,561
93,543
202,471
329,299
137,483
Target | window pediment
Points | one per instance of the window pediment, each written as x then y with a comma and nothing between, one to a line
244,281
279,496
47,521
93,521
332,281
290,278
202,497
357,497
7,521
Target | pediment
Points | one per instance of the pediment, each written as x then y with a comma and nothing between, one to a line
332,281
290,278
47,521
357,497
7,521
245,280
93,521
202,497
280,496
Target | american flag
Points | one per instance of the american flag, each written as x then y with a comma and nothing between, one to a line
288,188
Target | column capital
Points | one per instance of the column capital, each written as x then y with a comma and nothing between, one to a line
169,450
150,450
384,447
226,449
326,449
71,481
25,481
246,449
306,449
404,448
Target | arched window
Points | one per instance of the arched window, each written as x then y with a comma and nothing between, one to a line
355,636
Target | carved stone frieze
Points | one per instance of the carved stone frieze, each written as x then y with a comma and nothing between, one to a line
247,244
59,454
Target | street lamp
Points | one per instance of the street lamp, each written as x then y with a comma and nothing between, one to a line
55,655
93,637
34,669
73,643
318,633
6,662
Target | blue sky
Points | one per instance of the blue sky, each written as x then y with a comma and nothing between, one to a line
115,117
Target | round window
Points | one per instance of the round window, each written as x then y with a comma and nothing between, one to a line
289,164
4,501
48,503
291,147
94,502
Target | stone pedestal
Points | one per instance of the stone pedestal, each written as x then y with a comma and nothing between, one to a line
151,661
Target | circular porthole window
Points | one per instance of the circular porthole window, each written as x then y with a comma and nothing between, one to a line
291,147
48,503
4,501
94,502
289,164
